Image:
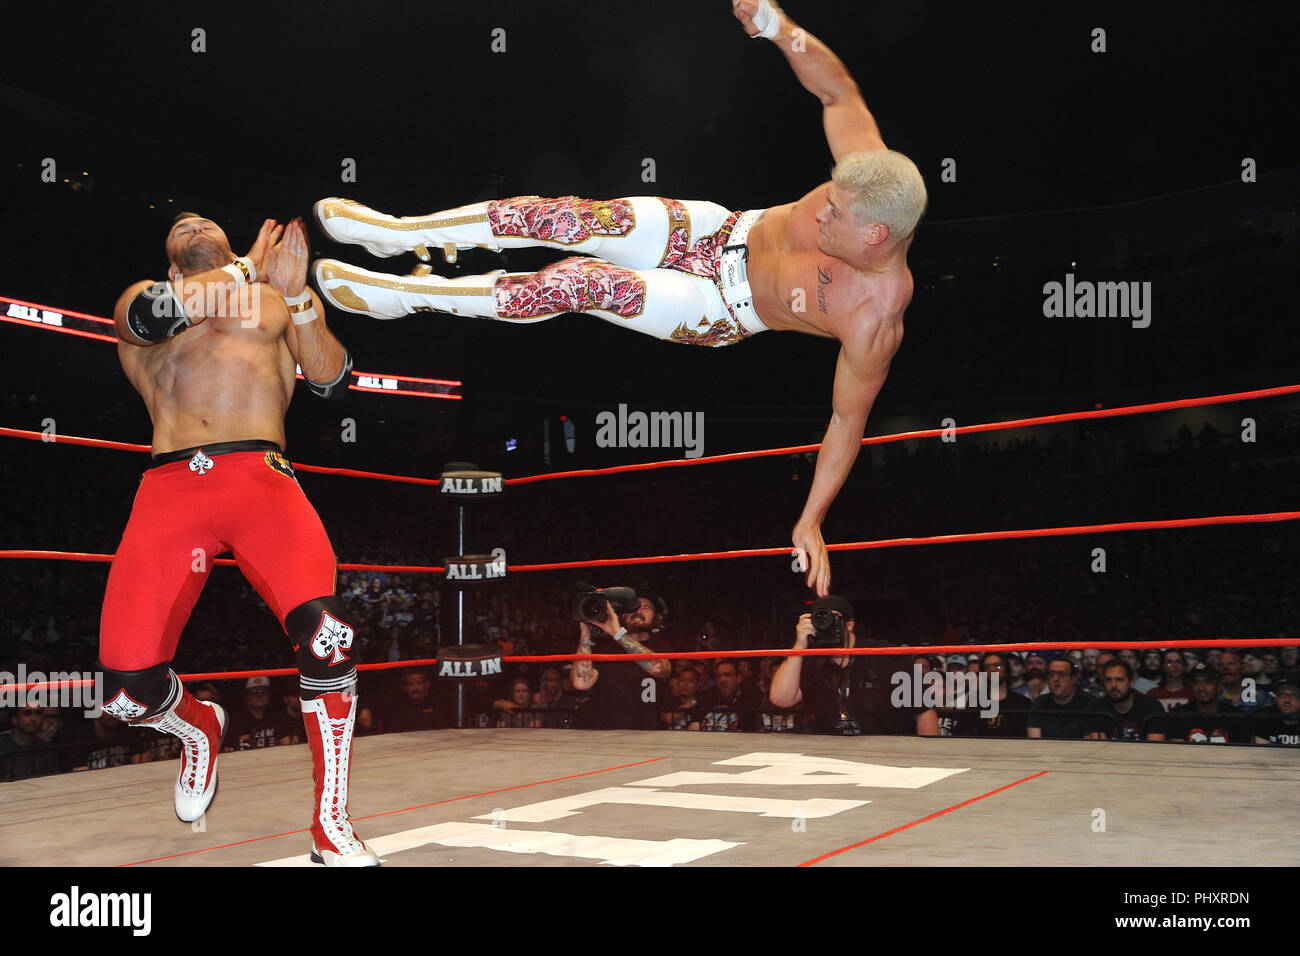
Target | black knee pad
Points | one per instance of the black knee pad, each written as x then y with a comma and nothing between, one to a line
133,696
322,634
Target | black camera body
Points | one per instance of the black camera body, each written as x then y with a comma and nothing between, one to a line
828,628
588,605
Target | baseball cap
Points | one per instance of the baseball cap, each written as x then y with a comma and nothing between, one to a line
1203,670
253,683
836,603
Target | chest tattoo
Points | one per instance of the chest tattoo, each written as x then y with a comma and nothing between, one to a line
823,280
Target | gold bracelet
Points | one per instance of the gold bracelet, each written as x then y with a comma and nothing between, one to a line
241,270
301,307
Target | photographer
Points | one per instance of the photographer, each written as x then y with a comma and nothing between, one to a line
849,695
621,695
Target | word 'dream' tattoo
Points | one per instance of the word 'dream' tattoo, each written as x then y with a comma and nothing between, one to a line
823,280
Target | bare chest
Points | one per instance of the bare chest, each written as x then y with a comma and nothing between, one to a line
218,361
810,292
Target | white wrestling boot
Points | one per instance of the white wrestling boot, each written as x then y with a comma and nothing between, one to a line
465,227
383,296
201,726
329,720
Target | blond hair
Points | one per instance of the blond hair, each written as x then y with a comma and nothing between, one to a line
886,187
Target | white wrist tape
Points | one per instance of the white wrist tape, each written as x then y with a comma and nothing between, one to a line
301,307
241,270
767,19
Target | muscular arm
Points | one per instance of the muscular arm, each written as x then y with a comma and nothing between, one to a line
785,690
851,402
314,347
856,386
120,326
214,288
850,127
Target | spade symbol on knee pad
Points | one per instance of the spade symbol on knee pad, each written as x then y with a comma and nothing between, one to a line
332,638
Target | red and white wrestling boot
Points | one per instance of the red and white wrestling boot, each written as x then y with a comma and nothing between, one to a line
329,720
201,726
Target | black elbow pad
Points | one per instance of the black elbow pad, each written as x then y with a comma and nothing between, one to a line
338,388
156,313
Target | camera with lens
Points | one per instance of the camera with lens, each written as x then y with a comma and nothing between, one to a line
588,605
828,628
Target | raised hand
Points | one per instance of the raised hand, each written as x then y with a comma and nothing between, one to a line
813,557
286,262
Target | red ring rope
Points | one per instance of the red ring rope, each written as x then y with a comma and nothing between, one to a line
768,552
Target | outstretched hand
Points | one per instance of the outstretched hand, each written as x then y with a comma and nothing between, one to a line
813,557
286,263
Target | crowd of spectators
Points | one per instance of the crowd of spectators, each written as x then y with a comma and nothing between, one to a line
1213,695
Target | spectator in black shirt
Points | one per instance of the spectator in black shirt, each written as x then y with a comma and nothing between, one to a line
1013,709
22,751
414,706
676,711
257,724
1279,724
1046,718
1126,714
849,695
729,705
1208,719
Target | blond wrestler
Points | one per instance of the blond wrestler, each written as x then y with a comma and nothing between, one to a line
831,264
